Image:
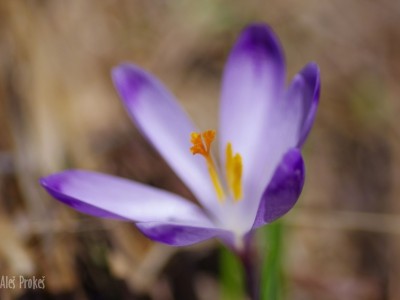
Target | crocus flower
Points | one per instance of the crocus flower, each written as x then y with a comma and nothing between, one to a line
260,172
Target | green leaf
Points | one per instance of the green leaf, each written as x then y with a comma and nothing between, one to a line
272,283
231,276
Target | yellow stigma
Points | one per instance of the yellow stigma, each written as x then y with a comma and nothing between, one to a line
234,169
202,145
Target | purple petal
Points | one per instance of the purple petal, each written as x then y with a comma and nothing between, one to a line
182,235
283,190
300,104
288,127
253,84
311,93
159,117
108,196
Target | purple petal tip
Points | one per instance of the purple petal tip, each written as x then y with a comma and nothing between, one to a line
311,76
311,73
128,80
53,185
260,40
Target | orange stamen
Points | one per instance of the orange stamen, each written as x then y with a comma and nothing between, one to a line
202,145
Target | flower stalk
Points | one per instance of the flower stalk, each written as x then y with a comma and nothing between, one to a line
250,262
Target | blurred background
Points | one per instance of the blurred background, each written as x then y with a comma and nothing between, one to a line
58,110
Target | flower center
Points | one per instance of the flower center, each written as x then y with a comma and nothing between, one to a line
233,168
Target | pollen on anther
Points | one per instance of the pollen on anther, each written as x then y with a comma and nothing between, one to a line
202,142
198,146
208,137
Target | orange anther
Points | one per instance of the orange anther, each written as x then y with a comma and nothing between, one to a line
202,142
202,145
208,138
198,146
